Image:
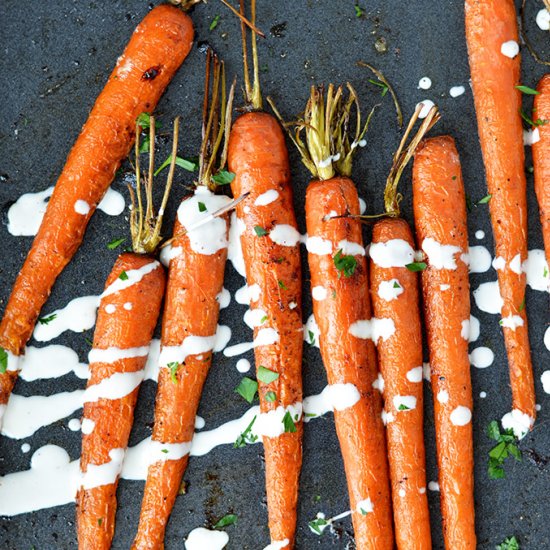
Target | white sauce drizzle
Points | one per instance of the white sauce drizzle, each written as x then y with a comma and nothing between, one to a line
545,380
403,403
461,416
456,91
531,136
510,49
97,475
482,357
285,235
373,329
480,259
440,256
393,253
319,293
390,290
318,245
543,19
334,397
206,539
243,365
265,337
517,421
161,452
424,83
415,374
426,104
267,198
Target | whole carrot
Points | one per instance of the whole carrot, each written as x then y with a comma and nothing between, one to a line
440,218
341,306
157,48
394,294
492,37
541,157
195,279
270,241
127,316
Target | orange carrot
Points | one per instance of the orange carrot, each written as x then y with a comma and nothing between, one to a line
492,37
440,218
394,292
156,50
127,316
195,279
342,310
541,158
270,242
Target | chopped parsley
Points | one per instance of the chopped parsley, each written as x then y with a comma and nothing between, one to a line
396,285
266,376
530,121
246,437
202,206
318,525
115,243
260,231
270,396
165,451
522,305
507,445
173,366
485,199
228,519
264,319
311,337
344,264
403,407
510,543
247,389
223,177
288,423
359,12
527,90
48,319
545,272
123,276
99,521
384,87
282,284
416,266
3,360
214,23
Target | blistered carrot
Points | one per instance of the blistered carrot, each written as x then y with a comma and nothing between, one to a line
270,241
342,309
394,293
492,37
440,219
157,48
195,280
541,157
127,316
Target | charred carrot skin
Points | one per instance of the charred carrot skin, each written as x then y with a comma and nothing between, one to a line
350,360
490,24
400,362
157,48
440,214
259,158
124,329
194,282
541,159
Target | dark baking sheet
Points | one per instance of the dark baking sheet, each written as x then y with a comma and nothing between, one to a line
55,59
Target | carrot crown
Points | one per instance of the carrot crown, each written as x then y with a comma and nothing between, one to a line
216,123
145,224
404,153
186,4
327,149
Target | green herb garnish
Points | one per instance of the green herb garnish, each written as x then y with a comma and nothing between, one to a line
123,276
382,85
115,243
214,23
417,266
358,11
48,319
228,519
527,90
186,164
507,445
3,360
260,231
318,525
265,375
485,199
271,397
202,207
247,389
510,543
282,285
311,337
173,366
246,437
288,423
223,177
344,264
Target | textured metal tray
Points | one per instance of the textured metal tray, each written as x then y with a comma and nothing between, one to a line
55,59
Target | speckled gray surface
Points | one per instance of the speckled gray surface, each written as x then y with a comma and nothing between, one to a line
55,59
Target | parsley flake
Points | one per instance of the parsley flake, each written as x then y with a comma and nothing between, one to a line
123,276
223,177
507,445
266,376
288,423
318,525
214,23
384,87
527,90
271,397
344,264
228,519
115,243
202,206
417,266
247,389
282,285
173,366
260,231
510,543
311,337
485,199
3,360
48,319
359,12
246,437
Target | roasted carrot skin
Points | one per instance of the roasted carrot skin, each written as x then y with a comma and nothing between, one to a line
400,362
157,48
440,214
194,282
113,418
541,159
259,158
350,360
490,24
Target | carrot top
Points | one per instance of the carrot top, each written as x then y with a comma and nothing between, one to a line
145,224
327,149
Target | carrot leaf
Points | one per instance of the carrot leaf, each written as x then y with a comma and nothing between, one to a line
3,360
510,543
344,264
380,85
530,121
187,164
247,389
228,519
526,90
115,243
223,177
416,266
260,231
288,423
48,319
266,375
271,397
246,437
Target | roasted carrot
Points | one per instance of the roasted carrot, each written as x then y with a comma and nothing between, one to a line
541,158
157,48
270,241
127,316
492,37
440,219
195,279
342,309
394,294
